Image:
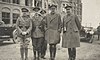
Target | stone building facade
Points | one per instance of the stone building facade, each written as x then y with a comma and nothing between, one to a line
76,4
11,9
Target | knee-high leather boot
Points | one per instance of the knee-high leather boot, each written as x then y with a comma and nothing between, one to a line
39,55
34,55
54,52
51,52
73,53
70,53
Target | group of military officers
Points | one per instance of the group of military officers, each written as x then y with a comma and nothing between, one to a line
45,29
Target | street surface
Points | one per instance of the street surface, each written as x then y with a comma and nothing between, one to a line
87,51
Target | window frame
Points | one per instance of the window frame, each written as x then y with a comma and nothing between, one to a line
16,1
5,17
15,18
7,1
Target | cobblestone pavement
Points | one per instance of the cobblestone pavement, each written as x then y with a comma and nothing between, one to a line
87,51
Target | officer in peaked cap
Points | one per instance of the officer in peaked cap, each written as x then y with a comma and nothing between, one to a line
24,26
71,29
53,30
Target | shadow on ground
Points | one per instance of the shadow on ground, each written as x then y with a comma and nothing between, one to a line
6,43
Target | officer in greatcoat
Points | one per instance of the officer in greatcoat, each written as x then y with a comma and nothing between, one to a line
44,46
24,26
37,33
71,37
53,29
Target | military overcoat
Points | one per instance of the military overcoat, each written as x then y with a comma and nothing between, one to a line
53,28
71,37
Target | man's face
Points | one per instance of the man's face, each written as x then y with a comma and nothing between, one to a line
36,10
25,13
53,9
69,10
36,15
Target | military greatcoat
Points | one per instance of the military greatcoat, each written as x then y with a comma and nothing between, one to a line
53,28
71,36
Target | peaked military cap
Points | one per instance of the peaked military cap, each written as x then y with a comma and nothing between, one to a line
36,9
53,5
25,10
43,11
68,6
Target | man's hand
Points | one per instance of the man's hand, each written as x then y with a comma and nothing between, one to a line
24,33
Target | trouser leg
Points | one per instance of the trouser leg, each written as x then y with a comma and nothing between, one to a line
26,43
26,53
34,43
43,50
72,53
34,54
22,53
98,36
39,47
52,51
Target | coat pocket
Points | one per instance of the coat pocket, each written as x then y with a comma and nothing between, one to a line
76,30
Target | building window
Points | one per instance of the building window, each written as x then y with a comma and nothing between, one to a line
27,2
16,1
38,3
6,1
15,17
6,17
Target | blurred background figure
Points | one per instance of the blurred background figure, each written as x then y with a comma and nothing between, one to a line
98,30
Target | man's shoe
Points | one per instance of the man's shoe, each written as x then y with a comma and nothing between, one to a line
26,58
69,58
43,57
22,58
34,58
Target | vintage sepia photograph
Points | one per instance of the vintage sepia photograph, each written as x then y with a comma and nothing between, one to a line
49,29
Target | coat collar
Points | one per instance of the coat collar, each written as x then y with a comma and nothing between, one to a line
52,17
22,19
68,18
